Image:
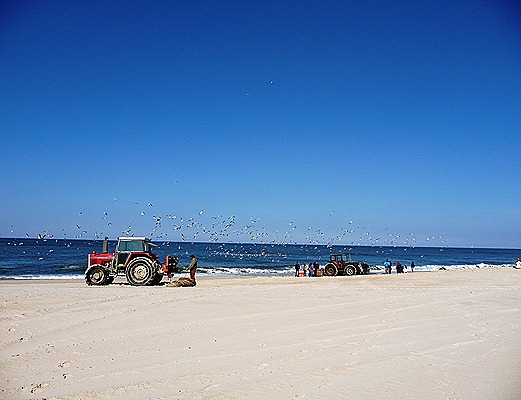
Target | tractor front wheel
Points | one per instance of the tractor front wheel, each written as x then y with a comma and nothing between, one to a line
97,275
140,272
330,270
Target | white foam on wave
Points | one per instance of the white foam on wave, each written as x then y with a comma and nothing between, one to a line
41,277
288,270
431,268
243,271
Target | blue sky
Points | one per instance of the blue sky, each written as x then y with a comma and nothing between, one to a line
368,122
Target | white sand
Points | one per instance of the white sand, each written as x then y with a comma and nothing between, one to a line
441,335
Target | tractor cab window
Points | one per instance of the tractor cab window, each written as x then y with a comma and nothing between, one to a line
131,246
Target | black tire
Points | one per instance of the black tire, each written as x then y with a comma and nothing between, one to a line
140,272
97,275
350,270
330,270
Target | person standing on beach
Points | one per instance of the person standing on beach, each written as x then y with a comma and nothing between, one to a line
518,263
387,265
412,266
399,267
315,268
365,268
192,267
310,270
297,268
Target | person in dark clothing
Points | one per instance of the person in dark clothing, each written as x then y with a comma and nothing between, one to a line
315,268
365,268
399,267
297,268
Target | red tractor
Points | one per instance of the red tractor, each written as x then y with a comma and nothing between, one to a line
133,258
340,264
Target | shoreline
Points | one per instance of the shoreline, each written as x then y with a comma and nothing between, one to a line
375,270
404,336
121,279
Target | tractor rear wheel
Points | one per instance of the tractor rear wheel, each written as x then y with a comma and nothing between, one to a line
140,272
97,275
350,270
330,270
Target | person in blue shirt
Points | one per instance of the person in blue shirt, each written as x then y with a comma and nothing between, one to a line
387,265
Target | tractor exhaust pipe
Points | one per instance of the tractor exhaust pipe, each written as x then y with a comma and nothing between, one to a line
105,245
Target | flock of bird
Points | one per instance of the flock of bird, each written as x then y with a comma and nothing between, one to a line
227,229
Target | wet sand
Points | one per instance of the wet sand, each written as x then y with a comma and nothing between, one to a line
441,335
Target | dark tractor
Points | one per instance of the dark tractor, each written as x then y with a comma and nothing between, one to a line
340,264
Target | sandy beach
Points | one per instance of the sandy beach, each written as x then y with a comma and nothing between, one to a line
441,335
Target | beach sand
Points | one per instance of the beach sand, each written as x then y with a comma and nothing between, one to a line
440,335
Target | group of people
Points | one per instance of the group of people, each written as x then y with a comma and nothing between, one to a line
310,269
399,267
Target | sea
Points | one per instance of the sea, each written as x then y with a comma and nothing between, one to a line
62,258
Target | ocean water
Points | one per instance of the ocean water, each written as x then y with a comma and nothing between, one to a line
60,258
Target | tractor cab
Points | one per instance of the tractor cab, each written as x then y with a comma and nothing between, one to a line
338,258
128,245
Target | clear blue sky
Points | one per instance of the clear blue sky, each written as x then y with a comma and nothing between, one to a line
387,122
